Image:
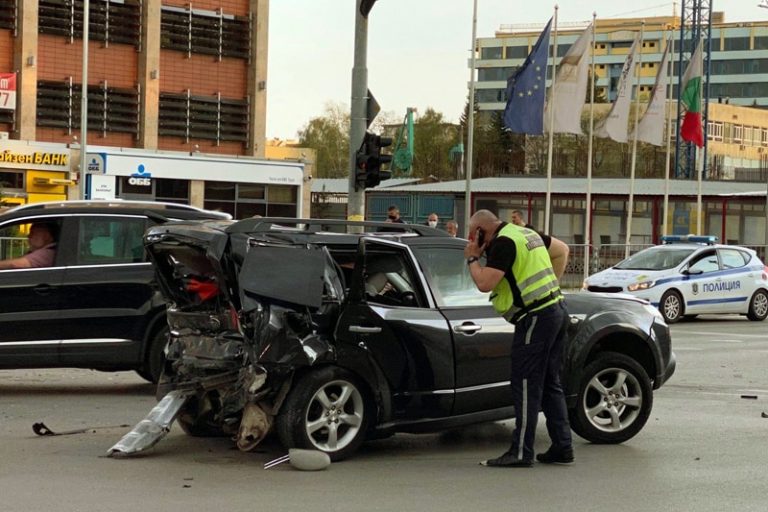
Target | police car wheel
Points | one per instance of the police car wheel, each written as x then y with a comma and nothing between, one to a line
758,306
614,400
671,306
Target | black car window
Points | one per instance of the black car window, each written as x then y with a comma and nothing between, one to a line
733,258
14,241
105,240
449,277
705,262
389,279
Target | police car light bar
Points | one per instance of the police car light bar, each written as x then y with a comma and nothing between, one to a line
693,239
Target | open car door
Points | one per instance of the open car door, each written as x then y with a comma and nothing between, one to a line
391,316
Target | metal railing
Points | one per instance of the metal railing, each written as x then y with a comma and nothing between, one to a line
13,247
600,257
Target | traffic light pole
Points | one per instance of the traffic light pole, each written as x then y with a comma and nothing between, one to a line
358,119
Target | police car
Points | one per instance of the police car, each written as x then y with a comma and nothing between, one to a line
691,275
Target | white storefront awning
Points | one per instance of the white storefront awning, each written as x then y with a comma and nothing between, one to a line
183,166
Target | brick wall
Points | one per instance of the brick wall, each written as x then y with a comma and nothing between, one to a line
204,75
46,134
57,60
236,7
6,51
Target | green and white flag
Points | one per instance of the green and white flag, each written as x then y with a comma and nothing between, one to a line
691,129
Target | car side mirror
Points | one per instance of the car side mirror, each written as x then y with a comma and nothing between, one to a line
692,272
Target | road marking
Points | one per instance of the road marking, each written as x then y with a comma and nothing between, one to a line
700,333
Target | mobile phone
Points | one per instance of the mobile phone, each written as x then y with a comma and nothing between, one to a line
480,237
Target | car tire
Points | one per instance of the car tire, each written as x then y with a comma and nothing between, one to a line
155,358
758,306
671,306
614,400
310,416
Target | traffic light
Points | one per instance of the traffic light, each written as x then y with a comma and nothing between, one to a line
368,172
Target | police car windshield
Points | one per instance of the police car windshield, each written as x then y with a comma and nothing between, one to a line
655,258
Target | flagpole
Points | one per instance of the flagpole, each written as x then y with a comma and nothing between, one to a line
588,212
699,163
631,206
671,42
470,126
548,200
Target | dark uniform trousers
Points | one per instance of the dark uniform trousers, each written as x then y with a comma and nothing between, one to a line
537,353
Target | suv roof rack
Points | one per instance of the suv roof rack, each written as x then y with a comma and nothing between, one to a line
107,203
315,226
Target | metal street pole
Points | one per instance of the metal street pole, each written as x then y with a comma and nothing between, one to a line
84,103
470,127
357,125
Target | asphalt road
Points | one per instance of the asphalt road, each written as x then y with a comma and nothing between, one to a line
705,448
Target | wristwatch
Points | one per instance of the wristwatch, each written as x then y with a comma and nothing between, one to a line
472,259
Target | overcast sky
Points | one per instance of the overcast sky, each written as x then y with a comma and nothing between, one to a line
418,50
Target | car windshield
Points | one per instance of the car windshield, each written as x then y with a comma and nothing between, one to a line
655,259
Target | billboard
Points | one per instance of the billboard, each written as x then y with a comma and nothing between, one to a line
7,91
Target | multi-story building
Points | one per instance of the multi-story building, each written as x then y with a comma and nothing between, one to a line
166,79
739,56
737,137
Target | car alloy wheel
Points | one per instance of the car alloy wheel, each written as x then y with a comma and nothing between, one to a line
758,306
671,306
614,399
334,416
327,409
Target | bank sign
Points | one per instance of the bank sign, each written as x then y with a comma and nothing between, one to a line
20,155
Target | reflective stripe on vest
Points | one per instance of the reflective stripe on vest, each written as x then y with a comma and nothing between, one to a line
534,278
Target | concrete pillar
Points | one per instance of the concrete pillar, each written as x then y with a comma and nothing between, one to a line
257,78
149,74
196,193
25,64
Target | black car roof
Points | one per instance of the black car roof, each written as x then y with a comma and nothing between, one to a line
178,211
319,231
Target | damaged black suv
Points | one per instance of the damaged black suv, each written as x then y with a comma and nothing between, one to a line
333,338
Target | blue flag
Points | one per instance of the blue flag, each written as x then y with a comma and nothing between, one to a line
526,90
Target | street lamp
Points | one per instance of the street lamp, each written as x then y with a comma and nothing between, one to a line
84,102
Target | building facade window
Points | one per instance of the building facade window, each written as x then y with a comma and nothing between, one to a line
715,130
8,14
736,44
494,74
206,32
203,117
11,180
517,52
110,21
738,133
110,109
242,200
490,52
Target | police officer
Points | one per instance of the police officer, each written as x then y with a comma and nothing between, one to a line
525,290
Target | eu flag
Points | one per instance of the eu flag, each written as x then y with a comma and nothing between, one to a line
524,112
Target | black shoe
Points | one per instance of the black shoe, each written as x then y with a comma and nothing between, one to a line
556,456
507,460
